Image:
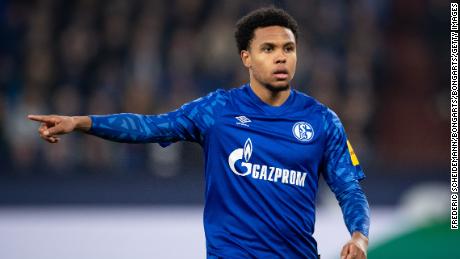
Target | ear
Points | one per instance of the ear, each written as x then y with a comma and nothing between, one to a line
246,58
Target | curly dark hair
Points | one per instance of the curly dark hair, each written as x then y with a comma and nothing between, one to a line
259,18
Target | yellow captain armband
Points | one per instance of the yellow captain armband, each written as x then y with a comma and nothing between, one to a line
354,158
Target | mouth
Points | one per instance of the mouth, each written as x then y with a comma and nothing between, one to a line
281,74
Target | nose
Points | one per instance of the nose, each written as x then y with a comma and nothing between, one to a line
280,58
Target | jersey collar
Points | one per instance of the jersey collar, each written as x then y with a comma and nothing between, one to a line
267,108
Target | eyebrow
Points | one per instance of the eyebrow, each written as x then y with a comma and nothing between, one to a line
272,44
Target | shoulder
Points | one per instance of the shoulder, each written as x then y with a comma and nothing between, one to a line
308,102
219,95
328,115
237,91
213,99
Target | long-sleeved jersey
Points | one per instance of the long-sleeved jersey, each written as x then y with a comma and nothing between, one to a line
262,165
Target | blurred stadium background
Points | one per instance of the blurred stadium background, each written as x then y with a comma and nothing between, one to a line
381,65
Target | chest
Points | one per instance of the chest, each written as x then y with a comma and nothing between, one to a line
288,141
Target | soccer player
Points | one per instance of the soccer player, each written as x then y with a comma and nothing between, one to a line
265,146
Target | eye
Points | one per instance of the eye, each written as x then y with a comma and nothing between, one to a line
289,48
267,49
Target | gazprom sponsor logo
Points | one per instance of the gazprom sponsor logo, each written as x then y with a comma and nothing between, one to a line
237,155
262,172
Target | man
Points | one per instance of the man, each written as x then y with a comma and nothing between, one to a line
265,146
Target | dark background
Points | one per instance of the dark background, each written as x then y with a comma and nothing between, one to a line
381,65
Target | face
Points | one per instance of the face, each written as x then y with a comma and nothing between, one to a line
271,57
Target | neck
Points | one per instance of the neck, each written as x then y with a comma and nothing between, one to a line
270,97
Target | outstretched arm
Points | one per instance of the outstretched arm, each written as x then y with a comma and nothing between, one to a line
138,128
123,127
189,122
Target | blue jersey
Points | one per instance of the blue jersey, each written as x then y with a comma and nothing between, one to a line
262,165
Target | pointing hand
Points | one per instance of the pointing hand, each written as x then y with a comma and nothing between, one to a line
53,125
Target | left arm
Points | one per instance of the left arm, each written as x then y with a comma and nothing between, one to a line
355,210
342,173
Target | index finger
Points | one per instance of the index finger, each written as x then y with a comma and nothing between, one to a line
41,118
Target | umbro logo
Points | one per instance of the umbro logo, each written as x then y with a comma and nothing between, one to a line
243,120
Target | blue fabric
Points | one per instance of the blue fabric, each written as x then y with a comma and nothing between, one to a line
354,207
187,123
262,165
342,178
